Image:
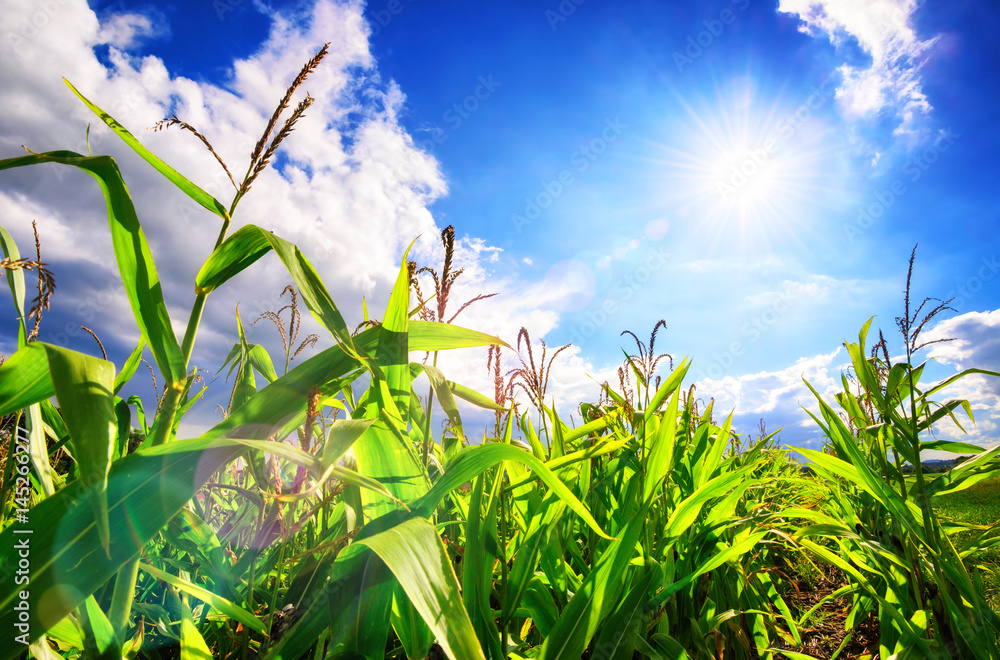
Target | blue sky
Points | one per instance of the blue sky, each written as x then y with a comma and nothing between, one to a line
754,173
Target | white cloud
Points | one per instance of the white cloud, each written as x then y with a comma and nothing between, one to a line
351,196
128,30
883,30
976,345
777,397
352,189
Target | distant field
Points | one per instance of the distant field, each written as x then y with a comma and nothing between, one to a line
980,505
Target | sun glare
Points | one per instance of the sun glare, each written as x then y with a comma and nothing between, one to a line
748,167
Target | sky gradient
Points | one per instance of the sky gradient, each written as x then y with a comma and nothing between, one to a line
753,173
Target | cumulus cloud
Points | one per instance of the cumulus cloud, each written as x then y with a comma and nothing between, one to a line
975,345
352,195
883,30
128,30
350,186
780,398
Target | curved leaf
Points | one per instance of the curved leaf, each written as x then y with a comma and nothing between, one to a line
135,261
413,552
175,177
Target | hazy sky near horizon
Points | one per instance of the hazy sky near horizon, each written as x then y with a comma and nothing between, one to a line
754,173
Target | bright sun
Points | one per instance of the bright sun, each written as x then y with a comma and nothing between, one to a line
750,169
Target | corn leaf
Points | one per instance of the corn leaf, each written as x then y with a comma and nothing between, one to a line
188,188
413,552
218,602
135,261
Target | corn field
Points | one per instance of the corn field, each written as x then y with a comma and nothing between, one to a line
322,518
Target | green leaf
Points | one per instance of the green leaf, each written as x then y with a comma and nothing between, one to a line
392,354
473,397
129,368
193,646
359,603
474,460
25,379
965,474
99,637
538,601
962,374
203,594
188,188
445,398
342,435
953,447
627,624
415,636
261,361
686,512
250,243
660,454
595,598
413,552
385,456
431,336
606,445
83,388
15,282
135,261
737,549
477,569
672,382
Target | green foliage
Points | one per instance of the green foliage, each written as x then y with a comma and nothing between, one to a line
286,532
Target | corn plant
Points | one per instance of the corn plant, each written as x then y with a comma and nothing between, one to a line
321,517
885,534
108,536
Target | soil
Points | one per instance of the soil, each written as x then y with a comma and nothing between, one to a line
824,632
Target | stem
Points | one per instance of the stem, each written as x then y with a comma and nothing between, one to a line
123,597
121,601
919,470
172,399
503,568
250,585
427,421
274,594
930,529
